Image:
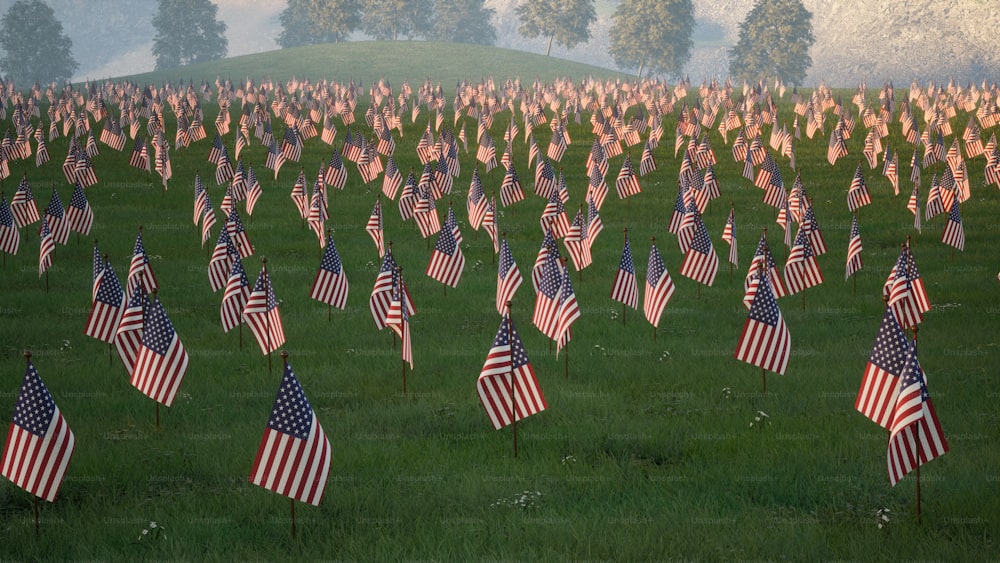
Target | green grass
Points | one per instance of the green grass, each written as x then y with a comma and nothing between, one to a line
664,463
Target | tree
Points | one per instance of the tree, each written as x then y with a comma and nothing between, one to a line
565,21
390,19
309,22
463,21
187,32
774,42
653,34
35,47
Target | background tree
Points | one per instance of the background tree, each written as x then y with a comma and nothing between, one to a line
187,32
390,19
463,21
309,22
35,47
653,35
565,21
774,42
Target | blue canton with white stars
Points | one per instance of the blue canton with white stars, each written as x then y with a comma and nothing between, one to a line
291,413
35,408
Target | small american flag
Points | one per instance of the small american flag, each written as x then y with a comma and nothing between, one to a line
625,289
79,215
507,386
577,245
476,202
253,190
545,178
447,261
293,458
262,316
701,263
46,247
953,234
915,435
39,441
597,188
901,298
374,228
234,226
23,206
508,278
880,385
801,269
10,237
56,216
392,179
139,158
510,188
381,295
236,295
299,196
336,172
853,250
162,360
291,144
330,284
546,313
107,308
765,341
858,195
128,337
729,235
627,183
659,287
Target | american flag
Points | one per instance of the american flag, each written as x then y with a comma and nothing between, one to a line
10,237
647,163
627,183
659,287
234,299
392,179
801,268
56,216
901,296
858,195
221,261
262,316
597,158
223,168
569,310
545,178
162,360
450,222
546,314
487,152
399,319
79,215
557,145
291,144
917,283
915,435
200,196
39,441
508,278
510,188
853,250
762,257
489,223
625,290
811,226
46,247
701,263
953,234
299,196
107,308
594,224
934,205
381,295
23,206
374,228
442,178
253,190
677,216
507,385
215,152
426,215
729,235
476,202
336,172
765,341
577,245
293,458
597,188
447,261
880,385
274,159
234,226
128,337
98,269
139,158
330,284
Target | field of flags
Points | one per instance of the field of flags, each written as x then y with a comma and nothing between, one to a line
511,317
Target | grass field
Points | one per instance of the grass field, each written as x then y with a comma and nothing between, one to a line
646,450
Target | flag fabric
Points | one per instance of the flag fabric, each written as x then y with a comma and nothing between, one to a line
915,435
200,197
625,289
659,287
23,206
336,172
10,237
916,282
569,310
79,216
392,179
507,387
234,299
765,341
293,458
801,268
299,196
900,294
140,272
546,313
853,250
234,226
128,337
46,247
261,314
489,223
447,261
162,360
729,235
577,245
880,385
56,216
508,278
221,261
627,184
701,263
374,228
510,187
381,295
39,440
291,145
858,195
107,308
399,320
330,284
274,159
953,234
254,190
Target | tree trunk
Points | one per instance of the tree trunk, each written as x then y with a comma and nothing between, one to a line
548,49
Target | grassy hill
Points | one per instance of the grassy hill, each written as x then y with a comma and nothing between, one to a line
654,444
397,61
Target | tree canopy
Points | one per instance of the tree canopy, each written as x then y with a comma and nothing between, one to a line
463,21
774,42
187,32
653,35
34,45
309,22
565,21
391,19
